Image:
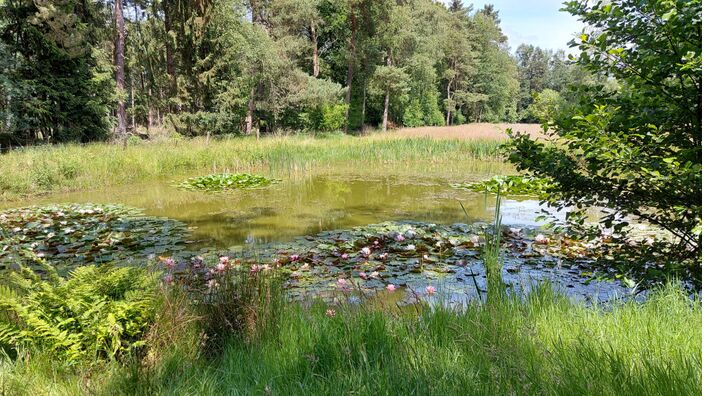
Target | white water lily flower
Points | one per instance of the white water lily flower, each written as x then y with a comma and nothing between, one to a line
410,247
541,239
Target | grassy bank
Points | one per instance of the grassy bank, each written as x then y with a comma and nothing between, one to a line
545,345
40,170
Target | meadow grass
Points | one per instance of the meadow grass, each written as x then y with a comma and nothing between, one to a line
39,170
544,344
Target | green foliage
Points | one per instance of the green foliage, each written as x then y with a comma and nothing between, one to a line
509,185
542,344
225,181
95,313
637,149
547,106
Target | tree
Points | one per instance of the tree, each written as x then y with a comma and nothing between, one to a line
121,129
635,150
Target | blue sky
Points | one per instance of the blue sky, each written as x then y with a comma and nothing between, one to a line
537,22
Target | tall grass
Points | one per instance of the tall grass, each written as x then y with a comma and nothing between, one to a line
45,169
544,344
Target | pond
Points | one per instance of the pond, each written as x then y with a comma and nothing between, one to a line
310,201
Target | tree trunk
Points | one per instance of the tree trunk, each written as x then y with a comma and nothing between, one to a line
120,70
447,121
314,39
364,103
250,113
386,111
350,68
170,64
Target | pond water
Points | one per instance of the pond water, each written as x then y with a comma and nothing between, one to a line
309,201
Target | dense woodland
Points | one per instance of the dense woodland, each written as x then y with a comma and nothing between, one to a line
83,71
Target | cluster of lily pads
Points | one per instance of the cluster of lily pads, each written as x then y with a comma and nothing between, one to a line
225,181
508,185
76,234
416,257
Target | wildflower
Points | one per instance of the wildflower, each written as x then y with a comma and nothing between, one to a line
363,275
390,287
224,260
342,282
366,251
410,247
430,290
254,269
345,256
400,238
294,257
330,313
212,284
221,268
169,279
169,263
265,267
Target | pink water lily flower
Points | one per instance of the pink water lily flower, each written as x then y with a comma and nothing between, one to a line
345,256
169,279
294,257
169,263
363,275
400,238
224,260
390,287
221,268
430,290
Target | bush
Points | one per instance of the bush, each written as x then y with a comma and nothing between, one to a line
98,312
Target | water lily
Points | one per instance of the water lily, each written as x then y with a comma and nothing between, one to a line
541,239
169,279
410,234
363,275
305,267
224,260
221,268
330,313
410,247
390,287
366,251
430,290
169,263
376,243
426,257
400,238
212,284
383,256
294,257
374,275
345,256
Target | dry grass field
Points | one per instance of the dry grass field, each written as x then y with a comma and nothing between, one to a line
470,131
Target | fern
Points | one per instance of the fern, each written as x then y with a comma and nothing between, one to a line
95,312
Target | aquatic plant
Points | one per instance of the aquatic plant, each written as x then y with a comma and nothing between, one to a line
225,181
74,234
508,185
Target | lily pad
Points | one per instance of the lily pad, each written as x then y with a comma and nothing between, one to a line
225,182
508,185
77,234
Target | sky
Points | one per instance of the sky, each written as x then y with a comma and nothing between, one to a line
537,22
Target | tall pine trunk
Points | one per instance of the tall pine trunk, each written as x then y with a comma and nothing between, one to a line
350,68
121,131
314,39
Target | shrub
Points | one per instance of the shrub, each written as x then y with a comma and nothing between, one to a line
97,312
